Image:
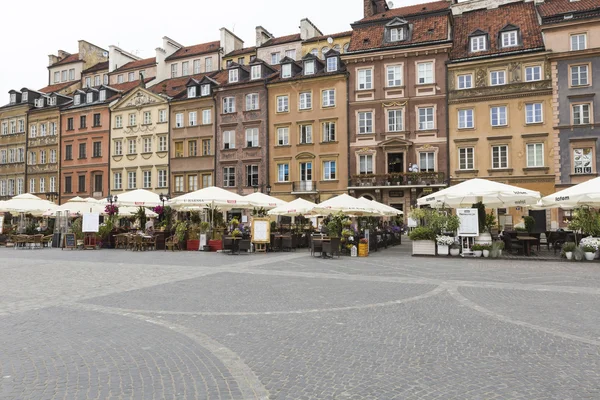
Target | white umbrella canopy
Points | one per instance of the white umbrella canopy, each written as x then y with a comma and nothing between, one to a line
129,211
293,208
492,194
78,206
265,201
28,203
583,194
382,208
349,205
138,197
210,197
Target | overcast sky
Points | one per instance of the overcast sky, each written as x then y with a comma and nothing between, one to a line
138,28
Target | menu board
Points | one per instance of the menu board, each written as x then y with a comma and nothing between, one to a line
1,223
69,241
469,222
261,230
91,222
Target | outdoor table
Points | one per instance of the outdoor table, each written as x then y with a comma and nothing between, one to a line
527,243
323,240
235,245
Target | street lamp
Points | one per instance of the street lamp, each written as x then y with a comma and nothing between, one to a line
163,198
255,186
111,199
268,189
52,196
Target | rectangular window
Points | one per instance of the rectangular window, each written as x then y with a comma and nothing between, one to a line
306,134
426,118
498,116
329,171
42,185
533,73
425,72
57,77
228,105
131,76
365,122
43,130
52,155
88,83
97,80
2,188
193,118
309,67
82,150
282,104
206,180
365,79
147,145
478,43
581,114
68,184
179,184
184,68
208,65
466,158
147,117
63,75
132,147
305,101
162,115
329,98
105,79
465,119
535,155
11,187
68,152
97,149
283,172
497,78
162,178
252,137
11,156
275,58
233,75
191,91
162,143
192,148
196,67
96,120
81,183
579,75
291,54
118,121
306,176
229,140
251,175
499,157
174,70
252,102
192,183
147,179
206,147
132,120
394,75
229,177
578,42
365,164
21,155
52,128
179,120
3,157
13,127
205,90
120,78
396,34
118,148
395,121
4,128
20,186
32,157
255,72
332,64
286,70
283,136
427,162
22,126
117,180
206,117
533,113
509,39
82,122
582,160
131,180
465,81
179,149
329,132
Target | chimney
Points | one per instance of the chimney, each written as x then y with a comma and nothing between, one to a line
308,30
262,35
52,59
372,7
63,54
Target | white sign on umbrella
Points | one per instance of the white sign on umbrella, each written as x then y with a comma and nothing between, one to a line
29,204
129,211
138,197
349,205
293,208
583,194
264,201
492,194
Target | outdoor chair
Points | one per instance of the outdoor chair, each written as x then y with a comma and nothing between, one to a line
316,246
150,243
512,246
138,243
171,244
286,243
37,241
228,244
47,241
21,241
332,247
559,239
245,245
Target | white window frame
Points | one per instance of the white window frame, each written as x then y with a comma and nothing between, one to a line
174,71
306,134
305,101
429,158
366,164
162,178
162,115
534,113
329,131
255,72
191,92
332,64
162,143
498,78
396,34
147,146
466,158
478,43
131,180
146,179
364,79
395,120
283,172
205,89
118,121
283,103
537,160
252,102
425,73
196,66
234,75
286,70
132,147
464,81
275,58
147,117
509,39
582,109
502,162
329,170
229,178
132,119
228,139
207,117
283,136
575,41
185,68
365,122
328,98
228,105
179,123
466,118
118,148
499,110
533,73
193,118
394,75
425,122
252,137
309,67
582,73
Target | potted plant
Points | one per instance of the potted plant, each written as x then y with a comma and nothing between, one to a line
193,239
529,223
363,247
423,241
455,249
477,250
498,246
567,250
236,233
443,243
486,248
180,231
590,251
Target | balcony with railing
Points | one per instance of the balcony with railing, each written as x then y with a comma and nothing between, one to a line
304,187
397,179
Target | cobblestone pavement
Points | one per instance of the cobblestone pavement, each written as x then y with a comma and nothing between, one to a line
113,324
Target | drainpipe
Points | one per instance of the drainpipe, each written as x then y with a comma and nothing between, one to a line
447,129
60,115
26,151
347,74
108,171
214,178
267,144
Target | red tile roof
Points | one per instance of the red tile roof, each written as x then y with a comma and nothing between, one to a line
521,15
127,86
68,60
408,11
241,51
282,39
175,86
98,67
58,87
324,37
197,49
425,29
146,62
552,8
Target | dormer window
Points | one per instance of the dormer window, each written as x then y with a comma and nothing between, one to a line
51,101
13,98
205,90
332,64
309,67
233,75
39,103
192,91
77,100
256,72
396,34
509,38
396,30
24,97
102,95
89,98
286,70
478,43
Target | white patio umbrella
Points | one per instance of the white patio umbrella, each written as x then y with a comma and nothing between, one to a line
349,205
210,197
29,204
265,201
583,194
492,194
77,206
293,208
138,197
129,211
383,208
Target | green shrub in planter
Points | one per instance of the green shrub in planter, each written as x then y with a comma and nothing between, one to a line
499,245
588,248
486,247
477,247
569,247
422,233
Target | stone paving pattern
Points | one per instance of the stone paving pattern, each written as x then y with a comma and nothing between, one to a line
113,324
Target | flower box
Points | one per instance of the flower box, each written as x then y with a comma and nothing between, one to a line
193,245
442,250
363,249
215,245
423,247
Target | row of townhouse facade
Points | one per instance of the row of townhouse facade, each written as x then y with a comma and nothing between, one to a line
405,103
